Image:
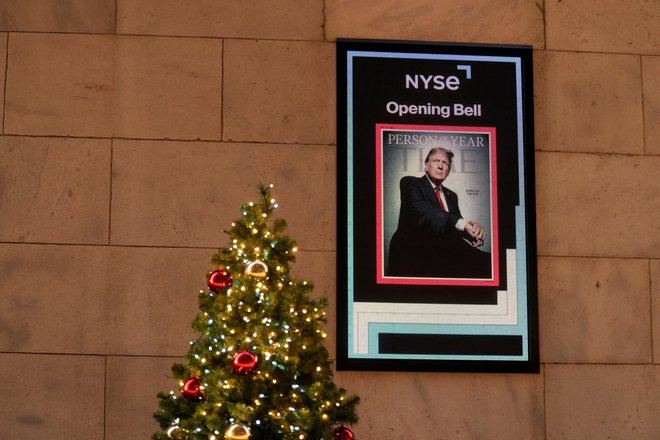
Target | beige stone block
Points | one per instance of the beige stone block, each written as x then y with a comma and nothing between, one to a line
588,102
603,26
51,397
594,310
85,85
602,401
655,300
168,88
55,190
80,16
405,406
105,300
279,91
268,19
651,79
131,395
591,205
511,22
193,191
60,85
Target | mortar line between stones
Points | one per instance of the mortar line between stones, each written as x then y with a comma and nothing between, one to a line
4,95
545,403
641,77
323,39
208,141
545,25
592,257
651,310
112,153
332,358
324,22
105,393
215,248
116,1
199,37
103,355
222,89
141,246
597,153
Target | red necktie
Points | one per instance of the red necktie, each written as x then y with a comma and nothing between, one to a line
437,193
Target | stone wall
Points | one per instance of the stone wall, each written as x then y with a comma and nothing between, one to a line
132,132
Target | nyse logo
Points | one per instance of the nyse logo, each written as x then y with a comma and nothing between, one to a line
437,82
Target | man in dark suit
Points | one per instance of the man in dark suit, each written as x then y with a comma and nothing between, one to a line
432,238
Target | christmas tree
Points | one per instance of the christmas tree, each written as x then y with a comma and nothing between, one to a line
259,368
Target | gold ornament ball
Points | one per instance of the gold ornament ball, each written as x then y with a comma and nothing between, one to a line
257,269
175,433
238,432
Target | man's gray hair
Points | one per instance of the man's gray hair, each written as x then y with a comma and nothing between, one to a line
432,151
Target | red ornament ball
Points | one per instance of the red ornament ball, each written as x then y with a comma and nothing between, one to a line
244,362
219,279
191,389
343,433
